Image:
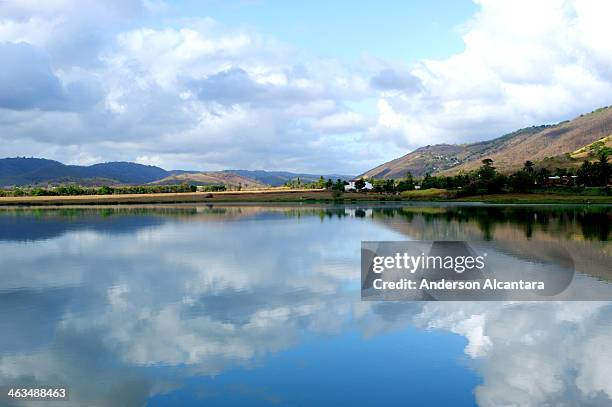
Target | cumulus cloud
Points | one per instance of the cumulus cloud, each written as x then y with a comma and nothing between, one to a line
389,79
28,82
218,318
198,96
344,122
236,86
72,33
528,354
523,64
110,81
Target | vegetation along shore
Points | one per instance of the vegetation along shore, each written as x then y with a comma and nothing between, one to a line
590,183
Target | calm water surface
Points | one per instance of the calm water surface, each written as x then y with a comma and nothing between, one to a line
260,305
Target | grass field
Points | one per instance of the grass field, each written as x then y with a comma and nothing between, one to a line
427,194
270,195
434,194
538,198
298,195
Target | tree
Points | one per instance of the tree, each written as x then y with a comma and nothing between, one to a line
105,190
321,182
389,186
427,182
528,166
522,181
488,178
603,169
18,192
486,172
329,184
339,185
406,184
378,185
542,175
586,174
360,184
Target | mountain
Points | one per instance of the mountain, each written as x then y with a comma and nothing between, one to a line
271,178
211,178
278,178
31,171
547,144
592,151
126,172
21,171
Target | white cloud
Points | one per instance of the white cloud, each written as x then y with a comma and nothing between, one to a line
524,63
341,123
198,94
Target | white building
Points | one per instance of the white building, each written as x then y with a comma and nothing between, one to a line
358,212
351,186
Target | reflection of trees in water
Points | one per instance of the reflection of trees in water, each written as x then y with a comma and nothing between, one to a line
594,222
595,225
327,212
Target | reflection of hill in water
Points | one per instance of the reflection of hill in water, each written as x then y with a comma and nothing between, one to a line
583,231
27,226
591,223
45,223
519,231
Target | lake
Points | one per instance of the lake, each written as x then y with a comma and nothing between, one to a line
260,305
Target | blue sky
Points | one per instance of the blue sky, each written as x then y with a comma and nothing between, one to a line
314,87
401,30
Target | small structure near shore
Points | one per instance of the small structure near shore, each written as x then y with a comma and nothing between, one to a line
564,180
352,187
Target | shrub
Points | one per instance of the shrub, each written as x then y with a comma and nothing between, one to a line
105,190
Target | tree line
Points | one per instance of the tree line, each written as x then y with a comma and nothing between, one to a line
67,190
484,180
487,180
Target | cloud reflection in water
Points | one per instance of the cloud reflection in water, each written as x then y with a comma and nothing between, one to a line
102,301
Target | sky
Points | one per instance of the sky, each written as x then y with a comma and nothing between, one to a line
321,87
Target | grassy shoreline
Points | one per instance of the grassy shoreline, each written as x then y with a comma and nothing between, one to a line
292,196
514,198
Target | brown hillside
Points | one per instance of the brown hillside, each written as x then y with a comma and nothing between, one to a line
420,161
509,152
211,178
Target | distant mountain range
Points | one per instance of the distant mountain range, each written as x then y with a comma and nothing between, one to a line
31,171
245,178
277,178
21,171
562,145
211,178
